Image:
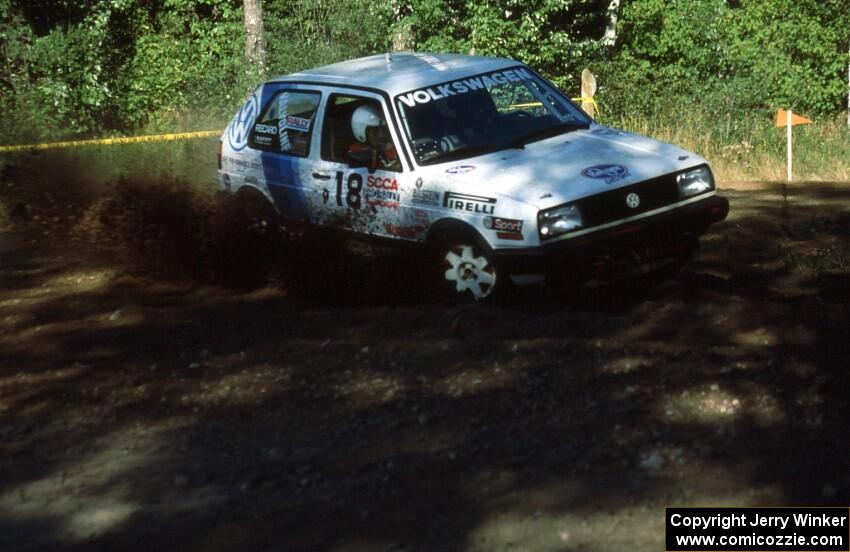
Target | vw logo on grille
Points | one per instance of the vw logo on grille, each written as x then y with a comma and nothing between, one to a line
633,200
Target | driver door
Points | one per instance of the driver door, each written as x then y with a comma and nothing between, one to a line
355,197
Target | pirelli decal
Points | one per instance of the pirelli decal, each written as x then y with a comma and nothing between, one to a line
470,203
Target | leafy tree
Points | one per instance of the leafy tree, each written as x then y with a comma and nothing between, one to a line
555,36
753,54
83,67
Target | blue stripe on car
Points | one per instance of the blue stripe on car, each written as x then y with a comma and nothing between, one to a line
281,174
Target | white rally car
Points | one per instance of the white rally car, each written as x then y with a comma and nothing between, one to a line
481,160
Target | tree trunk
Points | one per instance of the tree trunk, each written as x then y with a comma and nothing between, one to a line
401,36
610,36
255,43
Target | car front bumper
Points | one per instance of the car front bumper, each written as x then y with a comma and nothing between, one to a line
671,231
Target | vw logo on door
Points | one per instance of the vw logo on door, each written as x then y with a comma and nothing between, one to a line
237,132
633,200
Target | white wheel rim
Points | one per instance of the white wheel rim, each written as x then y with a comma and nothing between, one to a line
470,272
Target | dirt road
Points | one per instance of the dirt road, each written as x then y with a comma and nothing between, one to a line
146,412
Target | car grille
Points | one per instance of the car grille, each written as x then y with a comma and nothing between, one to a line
612,206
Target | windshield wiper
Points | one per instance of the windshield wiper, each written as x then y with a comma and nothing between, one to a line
461,153
540,134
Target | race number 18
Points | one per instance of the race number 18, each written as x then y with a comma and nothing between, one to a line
354,185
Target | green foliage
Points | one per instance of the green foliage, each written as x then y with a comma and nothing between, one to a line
88,67
554,36
757,55
306,33
186,60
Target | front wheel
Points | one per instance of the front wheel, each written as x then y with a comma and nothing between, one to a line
469,272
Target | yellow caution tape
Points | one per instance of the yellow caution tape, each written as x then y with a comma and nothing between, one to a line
520,106
588,99
190,135
581,99
108,141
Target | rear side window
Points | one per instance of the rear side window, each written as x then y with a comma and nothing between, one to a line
286,124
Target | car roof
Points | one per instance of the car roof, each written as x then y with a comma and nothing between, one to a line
400,71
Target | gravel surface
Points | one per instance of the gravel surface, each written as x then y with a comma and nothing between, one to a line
333,406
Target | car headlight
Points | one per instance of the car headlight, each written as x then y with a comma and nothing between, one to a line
559,220
695,182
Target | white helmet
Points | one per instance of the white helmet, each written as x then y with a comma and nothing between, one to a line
364,116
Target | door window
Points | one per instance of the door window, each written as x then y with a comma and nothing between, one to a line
286,124
369,144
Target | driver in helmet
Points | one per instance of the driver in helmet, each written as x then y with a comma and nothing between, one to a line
373,139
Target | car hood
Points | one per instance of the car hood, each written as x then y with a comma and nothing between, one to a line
569,166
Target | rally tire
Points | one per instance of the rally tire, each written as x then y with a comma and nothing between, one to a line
465,271
256,214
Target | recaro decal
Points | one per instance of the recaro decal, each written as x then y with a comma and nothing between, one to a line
609,173
240,127
471,203
264,134
463,86
266,129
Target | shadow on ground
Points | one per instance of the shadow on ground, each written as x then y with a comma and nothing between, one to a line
146,411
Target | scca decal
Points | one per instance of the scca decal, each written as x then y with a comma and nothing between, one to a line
382,192
457,87
471,203
382,183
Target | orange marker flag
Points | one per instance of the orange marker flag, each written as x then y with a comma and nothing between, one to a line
782,119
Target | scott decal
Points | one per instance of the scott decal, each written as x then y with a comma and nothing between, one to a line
298,123
608,173
240,127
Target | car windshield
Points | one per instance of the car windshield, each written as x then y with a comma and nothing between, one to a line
484,113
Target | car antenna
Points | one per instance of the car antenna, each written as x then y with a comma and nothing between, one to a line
389,57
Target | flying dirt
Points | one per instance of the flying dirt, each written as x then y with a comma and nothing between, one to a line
163,385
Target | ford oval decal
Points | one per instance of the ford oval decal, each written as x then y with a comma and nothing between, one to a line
608,173
460,169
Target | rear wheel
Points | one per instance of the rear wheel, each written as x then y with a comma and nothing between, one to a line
256,213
